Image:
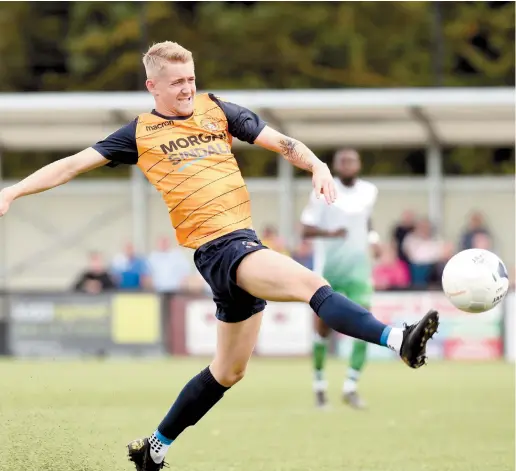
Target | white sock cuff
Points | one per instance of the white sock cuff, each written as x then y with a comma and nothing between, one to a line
320,385
349,386
353,374
319,339
159,446
395,339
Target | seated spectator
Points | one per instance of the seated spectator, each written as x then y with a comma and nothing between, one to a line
476,225
390,272
424,250
401,230
196,284
482,240
168,267
96,278
273,240
130,270
448,251
304,254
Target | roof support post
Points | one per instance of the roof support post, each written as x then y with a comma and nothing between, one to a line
3,235
434,171
286,193
435,180
139,210
139,198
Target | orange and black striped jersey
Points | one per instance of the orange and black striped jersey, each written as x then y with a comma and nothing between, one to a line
190,162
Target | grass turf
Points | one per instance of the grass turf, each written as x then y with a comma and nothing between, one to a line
79,415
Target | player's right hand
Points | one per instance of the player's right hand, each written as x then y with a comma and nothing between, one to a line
5,201
339,233
323,183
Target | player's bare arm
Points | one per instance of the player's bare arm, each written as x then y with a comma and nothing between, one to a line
301,156
374,240
312,231
52,175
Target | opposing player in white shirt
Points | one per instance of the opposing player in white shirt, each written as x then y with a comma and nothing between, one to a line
343,236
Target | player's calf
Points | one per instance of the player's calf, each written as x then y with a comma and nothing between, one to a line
349,318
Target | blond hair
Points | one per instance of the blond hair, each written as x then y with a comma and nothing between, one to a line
160,54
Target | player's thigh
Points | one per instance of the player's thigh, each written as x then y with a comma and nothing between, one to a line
272,276
235,345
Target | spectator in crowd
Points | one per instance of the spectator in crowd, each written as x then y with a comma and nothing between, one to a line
304,254
390,272
168,267
424,250
481,240
476,225
95,279
401,230
448,251
130,270
196,284
273,240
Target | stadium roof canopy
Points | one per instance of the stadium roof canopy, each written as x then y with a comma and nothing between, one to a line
321,118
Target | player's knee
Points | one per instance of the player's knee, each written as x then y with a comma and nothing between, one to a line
311,283
229,376
232,377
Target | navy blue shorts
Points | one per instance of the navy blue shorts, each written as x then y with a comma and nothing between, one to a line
217,262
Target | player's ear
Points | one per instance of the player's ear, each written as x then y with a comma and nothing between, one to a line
151,86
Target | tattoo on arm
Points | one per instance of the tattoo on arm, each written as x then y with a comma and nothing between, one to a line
290,149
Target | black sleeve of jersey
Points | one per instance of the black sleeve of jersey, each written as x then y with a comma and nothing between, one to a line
120,147
242,123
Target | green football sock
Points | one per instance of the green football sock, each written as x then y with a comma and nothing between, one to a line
319,355
358,355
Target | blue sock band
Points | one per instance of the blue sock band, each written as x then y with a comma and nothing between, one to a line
162,438
385,336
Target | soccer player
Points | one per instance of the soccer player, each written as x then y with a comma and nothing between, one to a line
343,237
183,147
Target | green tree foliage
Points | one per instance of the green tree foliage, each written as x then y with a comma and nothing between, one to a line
14,63
479,38
32,47
266,45
104,46
260,44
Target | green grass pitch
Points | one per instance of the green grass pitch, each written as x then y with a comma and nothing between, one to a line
79,415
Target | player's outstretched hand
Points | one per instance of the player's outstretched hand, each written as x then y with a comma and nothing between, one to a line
323,183
5,201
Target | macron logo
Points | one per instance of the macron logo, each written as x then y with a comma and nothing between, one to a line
155,127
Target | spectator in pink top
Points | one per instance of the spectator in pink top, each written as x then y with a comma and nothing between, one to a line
390,272
424,249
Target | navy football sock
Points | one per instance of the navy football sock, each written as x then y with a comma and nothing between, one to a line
347,317
199,395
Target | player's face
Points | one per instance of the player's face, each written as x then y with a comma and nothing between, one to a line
347,164
174,88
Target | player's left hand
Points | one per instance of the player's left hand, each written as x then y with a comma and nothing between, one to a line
5,201
323,183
